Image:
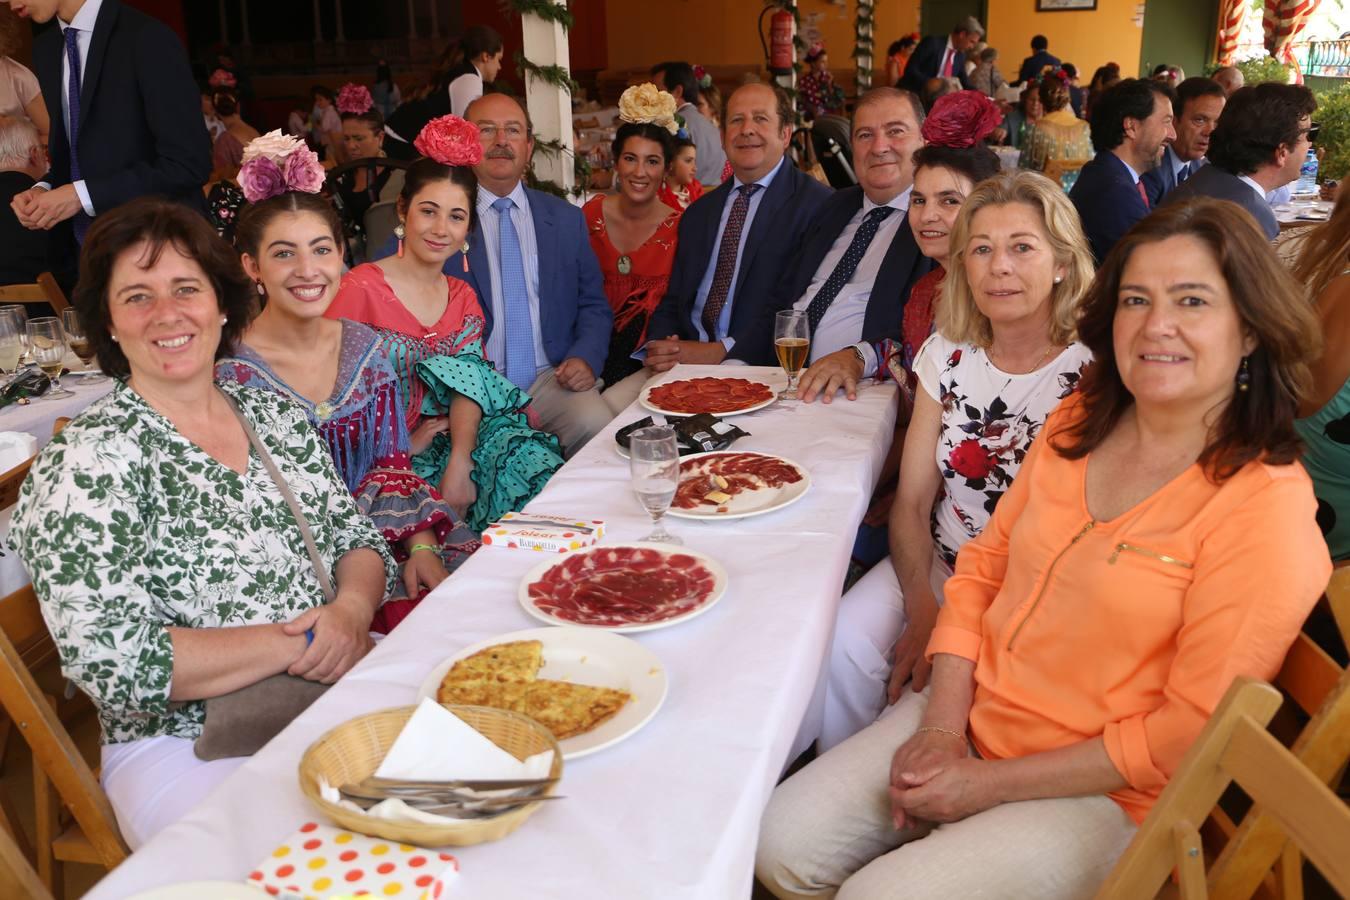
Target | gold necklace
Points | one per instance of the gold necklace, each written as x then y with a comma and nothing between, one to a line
1039,362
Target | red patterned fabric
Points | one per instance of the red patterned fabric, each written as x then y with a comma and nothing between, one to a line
1232,13
1282,23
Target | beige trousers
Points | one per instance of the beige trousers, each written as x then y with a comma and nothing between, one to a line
574,416
827,832
620,396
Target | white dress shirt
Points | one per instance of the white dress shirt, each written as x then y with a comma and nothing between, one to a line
495,345
84,24
464,90
1251,183
842,324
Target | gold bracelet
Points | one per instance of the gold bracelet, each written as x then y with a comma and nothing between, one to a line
956,734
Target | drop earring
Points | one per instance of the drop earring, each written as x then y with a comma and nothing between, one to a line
465,252
1244,378
262,291
399,233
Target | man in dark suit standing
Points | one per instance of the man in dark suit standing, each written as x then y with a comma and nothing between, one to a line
734,245
1260,143
1196,108
1131,124
939,56
539,283
854,273
1040,58
125,114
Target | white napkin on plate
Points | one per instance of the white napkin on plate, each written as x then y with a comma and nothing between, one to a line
437,745
15,447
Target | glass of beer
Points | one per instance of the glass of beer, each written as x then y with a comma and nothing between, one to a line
792,342
47,343
654,460
79,342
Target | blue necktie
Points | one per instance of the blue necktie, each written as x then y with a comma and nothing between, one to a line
81,221
847,265
519,324
1183,173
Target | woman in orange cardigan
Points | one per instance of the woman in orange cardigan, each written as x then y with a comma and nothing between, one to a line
1158,542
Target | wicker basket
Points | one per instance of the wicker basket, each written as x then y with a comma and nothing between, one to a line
353,750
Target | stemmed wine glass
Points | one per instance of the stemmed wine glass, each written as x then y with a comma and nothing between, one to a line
11,342
21,322
47,340
80,344
654,460
792,343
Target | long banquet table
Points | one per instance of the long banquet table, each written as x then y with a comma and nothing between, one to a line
673,810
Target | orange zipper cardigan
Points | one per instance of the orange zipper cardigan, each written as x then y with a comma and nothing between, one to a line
1130,629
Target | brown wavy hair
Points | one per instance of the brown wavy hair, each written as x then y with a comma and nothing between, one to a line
1258,423
1326,250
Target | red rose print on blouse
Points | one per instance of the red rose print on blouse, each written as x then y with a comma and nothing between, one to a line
971,460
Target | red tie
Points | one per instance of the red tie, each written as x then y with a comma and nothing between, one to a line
1143,194
947,64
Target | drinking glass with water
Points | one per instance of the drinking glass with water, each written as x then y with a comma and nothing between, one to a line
654,460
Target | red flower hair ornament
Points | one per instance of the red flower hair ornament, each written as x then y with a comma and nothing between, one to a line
961,120
354,99
450,141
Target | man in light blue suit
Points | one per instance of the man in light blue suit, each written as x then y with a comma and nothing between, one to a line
539,283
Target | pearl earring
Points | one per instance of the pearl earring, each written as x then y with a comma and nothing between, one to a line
1058,279
262,291
114,337
224,320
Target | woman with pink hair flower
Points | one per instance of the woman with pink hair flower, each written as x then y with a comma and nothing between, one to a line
470,435
362,187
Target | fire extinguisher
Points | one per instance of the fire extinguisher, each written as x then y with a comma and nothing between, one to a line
780,51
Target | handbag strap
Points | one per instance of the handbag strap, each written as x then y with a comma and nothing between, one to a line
325,581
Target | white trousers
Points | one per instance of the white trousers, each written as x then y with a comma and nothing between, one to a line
153,782
827,832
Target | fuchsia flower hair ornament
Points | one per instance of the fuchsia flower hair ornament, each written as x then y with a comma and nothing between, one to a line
450,141
276,163
354,99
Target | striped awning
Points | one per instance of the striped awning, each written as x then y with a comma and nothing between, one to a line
1282,23
1232,13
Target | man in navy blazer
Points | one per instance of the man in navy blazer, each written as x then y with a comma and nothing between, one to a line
570,319
1131,124
139,128
1196,109
942,56
735,244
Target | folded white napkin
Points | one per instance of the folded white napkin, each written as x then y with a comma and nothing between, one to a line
15,447
437,745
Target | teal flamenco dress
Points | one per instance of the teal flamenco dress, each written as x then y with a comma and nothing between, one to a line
511,461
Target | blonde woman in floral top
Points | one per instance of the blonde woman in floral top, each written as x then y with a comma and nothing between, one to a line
169,568
1004,355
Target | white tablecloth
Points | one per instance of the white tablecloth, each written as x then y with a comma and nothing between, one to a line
672,811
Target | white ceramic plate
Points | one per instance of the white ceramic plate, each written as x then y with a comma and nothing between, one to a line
748,503
537,573
643,398
585,656
204,890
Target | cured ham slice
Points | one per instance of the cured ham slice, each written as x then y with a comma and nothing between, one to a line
738,473
610,587
708,395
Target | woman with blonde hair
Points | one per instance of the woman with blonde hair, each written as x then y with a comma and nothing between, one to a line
1002,358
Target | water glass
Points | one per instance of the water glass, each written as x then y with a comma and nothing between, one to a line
47,343
654,460
11,343
20,316
79,341
792,343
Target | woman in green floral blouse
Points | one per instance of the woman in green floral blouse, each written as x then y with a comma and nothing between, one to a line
169,568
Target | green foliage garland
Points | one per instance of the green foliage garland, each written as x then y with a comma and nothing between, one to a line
544,9
559,77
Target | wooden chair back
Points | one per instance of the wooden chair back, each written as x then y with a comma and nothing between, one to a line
1235,747
44,290
15,869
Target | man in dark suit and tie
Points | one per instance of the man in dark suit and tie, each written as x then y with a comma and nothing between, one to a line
1040,59
1260,143
125,114
859,261
1131,124
539,283
1196,109
734,245
942,56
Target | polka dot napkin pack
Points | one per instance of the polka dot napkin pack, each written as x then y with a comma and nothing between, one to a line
319,862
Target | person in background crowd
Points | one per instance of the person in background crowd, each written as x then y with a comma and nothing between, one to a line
363,138
1058,135
384,91
1168,492
1022,118
734,245
1230,78
466,422
325,124
228,153
482,62
22,162
710,103
1131,124
19,91
203,584
1323,265
897,57
986,78
1107,76
1196,109
817,94
137,118
1077,93
942,56
1262,138
633,233
681,186
677,78
935,89
468,63
214,127
338,374
1009,365
1040,59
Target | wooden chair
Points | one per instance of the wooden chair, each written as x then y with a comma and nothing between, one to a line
14,869
44,290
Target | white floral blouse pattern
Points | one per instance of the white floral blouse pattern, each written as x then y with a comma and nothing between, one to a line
127,528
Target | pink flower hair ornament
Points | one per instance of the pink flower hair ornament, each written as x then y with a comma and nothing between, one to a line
354,99
275,163
450,141
222,78
961,120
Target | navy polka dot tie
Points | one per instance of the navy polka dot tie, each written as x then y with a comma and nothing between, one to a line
846,266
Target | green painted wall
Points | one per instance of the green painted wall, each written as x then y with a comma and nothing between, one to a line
1178,32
